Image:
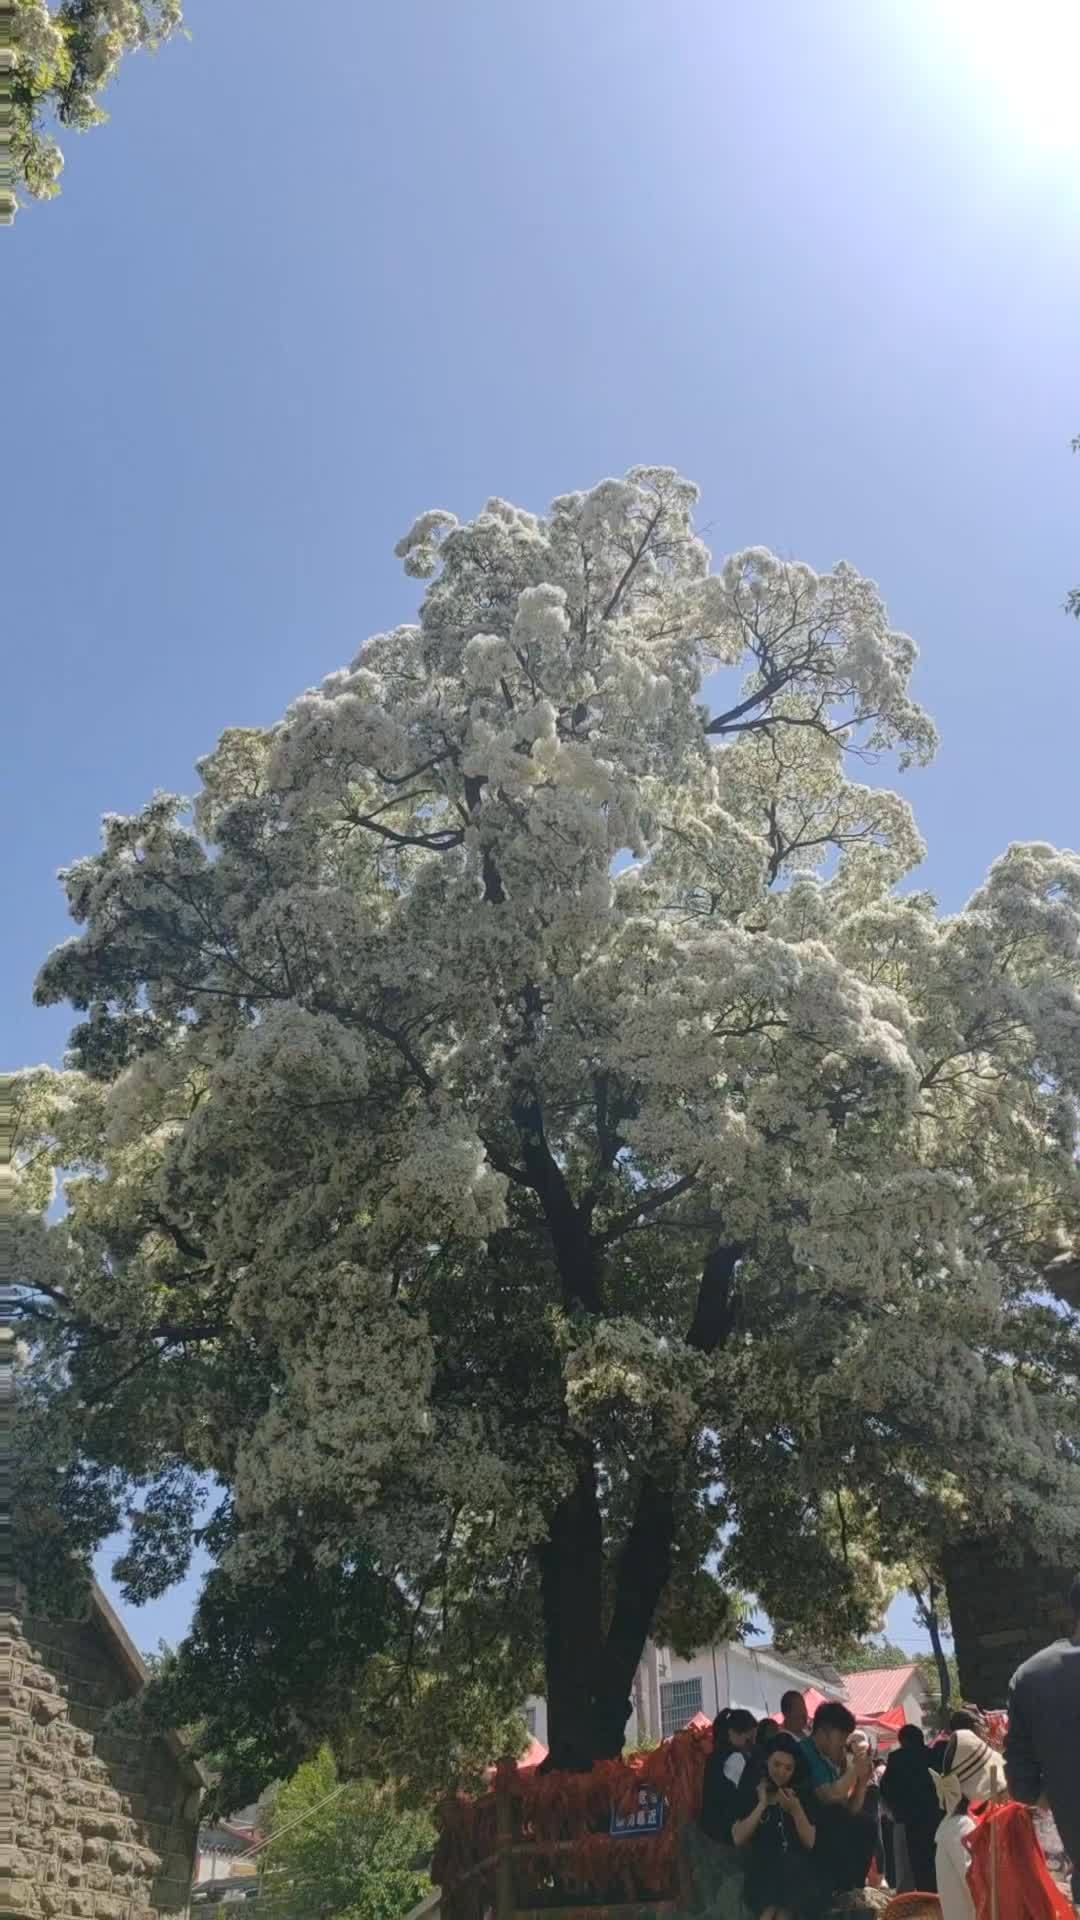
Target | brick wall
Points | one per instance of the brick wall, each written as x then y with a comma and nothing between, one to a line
104,1824
1003,1608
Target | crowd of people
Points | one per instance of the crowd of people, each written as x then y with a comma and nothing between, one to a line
792,1808
798,1813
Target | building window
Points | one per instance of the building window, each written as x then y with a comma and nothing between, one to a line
530,1722
679,1701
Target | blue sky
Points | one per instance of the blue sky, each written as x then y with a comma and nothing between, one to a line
326,269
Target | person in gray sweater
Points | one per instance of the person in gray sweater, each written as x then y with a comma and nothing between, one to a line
1042,1746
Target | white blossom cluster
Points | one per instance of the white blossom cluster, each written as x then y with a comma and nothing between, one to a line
508,976
67,53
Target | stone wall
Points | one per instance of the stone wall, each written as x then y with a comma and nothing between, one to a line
1003,1608
103,1824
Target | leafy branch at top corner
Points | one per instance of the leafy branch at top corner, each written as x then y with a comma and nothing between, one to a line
66,57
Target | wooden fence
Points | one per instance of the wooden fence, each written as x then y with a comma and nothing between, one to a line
491,1883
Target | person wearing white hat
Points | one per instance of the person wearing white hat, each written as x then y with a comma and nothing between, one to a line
971,1774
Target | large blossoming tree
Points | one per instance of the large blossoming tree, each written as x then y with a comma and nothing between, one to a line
524,1142
66,54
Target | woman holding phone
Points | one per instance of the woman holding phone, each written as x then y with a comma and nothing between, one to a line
778,1832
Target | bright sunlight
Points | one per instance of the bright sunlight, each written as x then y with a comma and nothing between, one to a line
1026,59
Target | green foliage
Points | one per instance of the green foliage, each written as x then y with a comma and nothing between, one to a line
698,1609
871,1655
268,1670
67,56
537,1236
353,1854
160,1658
818,1557
928,1667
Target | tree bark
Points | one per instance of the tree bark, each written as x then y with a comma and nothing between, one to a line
590,1673
927,1609
1004,1605
571,1587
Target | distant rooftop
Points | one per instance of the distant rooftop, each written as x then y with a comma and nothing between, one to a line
881,1689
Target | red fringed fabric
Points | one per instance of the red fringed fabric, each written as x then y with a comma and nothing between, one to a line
997,1726
568,1817
1024,1889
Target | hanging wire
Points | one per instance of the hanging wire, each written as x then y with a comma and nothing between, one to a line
261,1845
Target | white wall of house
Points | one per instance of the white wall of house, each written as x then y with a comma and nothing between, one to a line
914,1702
668,1691
536,1718
728,1675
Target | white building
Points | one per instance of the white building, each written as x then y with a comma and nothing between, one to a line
669,1691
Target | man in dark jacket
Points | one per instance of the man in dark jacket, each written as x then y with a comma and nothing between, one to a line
1042,1746
909,1793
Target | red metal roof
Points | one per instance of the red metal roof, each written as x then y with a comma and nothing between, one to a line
871,1694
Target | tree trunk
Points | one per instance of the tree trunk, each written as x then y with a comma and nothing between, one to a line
643,1572
590,1674
571,1587
1003,1606
933,1627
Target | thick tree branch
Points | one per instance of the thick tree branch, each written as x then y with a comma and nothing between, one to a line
576,1252
714,1315
181,1240
651,1204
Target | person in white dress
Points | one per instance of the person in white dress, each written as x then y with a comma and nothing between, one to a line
971,1774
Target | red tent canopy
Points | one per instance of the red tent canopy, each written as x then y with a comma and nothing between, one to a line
891,1721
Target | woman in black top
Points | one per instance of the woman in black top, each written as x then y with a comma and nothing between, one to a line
777,1829
718,1868
733,1735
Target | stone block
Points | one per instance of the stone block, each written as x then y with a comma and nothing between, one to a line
18,1896
40,1679
47,1706
96,1832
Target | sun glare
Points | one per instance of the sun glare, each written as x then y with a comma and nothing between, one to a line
1025,61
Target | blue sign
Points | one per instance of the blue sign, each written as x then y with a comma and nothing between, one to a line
646,1816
